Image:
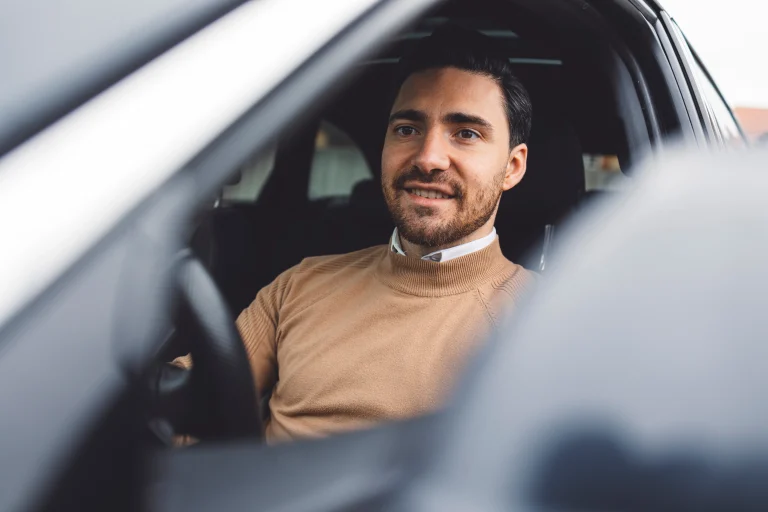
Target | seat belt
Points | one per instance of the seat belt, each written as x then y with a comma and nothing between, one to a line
546,249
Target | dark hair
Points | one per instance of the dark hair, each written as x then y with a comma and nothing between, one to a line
451,46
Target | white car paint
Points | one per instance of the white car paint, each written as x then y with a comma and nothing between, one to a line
76,179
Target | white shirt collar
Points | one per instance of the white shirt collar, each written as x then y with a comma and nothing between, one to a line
451,252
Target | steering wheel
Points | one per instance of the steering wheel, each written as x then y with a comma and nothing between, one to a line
216,398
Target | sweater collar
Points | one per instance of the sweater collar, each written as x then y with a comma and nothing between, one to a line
426,278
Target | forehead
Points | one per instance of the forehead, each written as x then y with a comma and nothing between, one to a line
443,90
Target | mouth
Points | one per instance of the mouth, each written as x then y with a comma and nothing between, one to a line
428,194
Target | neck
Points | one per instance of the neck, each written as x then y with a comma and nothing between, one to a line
430,279
418,251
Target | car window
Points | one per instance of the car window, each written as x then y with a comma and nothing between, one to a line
253,176
603,172
719,110
715,108
337,165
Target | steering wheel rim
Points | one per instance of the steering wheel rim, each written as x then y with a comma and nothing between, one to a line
216,398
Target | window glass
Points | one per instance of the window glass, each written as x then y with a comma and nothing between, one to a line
602,172
716,108
337,166
253,176
720,111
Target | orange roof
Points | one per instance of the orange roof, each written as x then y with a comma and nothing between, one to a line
754,121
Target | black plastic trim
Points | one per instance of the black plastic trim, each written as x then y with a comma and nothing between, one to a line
642,41
647,11
698,100
641,84
688,105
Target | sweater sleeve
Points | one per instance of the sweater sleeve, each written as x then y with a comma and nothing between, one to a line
258,325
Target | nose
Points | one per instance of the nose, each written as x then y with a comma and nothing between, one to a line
433,153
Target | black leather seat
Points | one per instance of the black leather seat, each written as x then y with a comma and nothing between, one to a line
551,189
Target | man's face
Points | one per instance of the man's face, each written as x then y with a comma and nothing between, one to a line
446,157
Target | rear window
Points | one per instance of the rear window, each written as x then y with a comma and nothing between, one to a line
253,176
337,166
603,172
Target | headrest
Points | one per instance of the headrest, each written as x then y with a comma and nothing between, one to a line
554,179
367,195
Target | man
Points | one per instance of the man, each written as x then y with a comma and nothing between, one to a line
347,341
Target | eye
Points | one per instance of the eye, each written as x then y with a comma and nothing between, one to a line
468,134
405,130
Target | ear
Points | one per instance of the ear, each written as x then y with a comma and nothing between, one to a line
516,165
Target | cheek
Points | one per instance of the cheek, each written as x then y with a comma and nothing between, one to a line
479,171
393,159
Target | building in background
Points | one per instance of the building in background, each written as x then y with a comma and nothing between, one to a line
754,121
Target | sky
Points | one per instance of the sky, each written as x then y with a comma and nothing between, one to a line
731,38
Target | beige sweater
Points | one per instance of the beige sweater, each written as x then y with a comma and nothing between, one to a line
351,340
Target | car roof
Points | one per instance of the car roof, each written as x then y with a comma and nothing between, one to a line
54,55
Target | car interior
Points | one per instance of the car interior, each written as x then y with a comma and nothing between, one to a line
317,190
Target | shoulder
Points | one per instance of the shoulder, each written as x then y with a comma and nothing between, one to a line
508,289
316,275
515,281
336,263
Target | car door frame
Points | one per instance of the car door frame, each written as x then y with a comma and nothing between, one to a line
703,119
74,343
715,118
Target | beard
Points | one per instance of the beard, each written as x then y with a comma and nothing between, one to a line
422,225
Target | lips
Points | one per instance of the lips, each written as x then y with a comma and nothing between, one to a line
429,194
429,190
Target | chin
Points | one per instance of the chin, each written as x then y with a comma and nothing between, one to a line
425,235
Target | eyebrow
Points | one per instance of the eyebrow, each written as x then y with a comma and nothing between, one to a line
409,114
462,118
451,118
